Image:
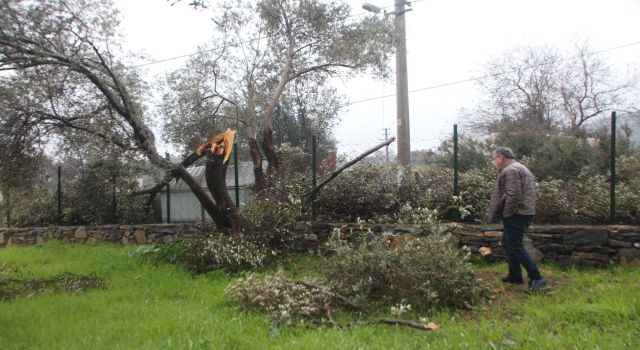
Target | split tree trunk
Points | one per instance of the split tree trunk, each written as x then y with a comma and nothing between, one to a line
265,183
270,154
209,206
258,174
215,175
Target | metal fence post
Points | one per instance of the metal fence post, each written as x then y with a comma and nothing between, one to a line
168,196
114,199
59,195
235,173
8,195
612,209
314,166
456,189
314,159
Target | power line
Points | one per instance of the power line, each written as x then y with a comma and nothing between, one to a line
148,63
479,78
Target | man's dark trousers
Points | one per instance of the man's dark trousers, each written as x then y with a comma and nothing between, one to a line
512,241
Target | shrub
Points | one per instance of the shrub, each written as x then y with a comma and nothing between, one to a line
366,190
425,272
275,218
228,252
552,205
280,298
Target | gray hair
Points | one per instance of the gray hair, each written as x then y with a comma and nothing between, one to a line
505,152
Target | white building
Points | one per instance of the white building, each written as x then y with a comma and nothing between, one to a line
185,207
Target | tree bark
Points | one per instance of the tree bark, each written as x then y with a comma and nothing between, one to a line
256,158
204,199
215,175
272,158
312,194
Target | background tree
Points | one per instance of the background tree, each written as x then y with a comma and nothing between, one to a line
538,88
589,87
519,91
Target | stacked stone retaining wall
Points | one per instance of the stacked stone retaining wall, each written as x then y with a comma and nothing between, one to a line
591,245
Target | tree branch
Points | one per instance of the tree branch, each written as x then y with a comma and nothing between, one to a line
311,194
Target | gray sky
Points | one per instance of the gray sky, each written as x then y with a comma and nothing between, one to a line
447,41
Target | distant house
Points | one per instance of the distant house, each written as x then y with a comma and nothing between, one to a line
185,207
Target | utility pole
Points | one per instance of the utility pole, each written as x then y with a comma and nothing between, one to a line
386,137
402,86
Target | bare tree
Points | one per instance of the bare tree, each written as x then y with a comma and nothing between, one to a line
537,88
589,87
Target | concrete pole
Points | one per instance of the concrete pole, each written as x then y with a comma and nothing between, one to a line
402,87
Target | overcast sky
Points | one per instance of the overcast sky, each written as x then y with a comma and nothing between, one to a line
447,41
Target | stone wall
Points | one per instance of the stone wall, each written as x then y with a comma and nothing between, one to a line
124,234
591,245
561,244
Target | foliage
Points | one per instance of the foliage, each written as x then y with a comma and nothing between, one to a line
563,157
426,273
231,253
304,112
270,70
88,198
281,299
13,285
33,206
276,217
66,85
373,192
471,153
365,190
553,205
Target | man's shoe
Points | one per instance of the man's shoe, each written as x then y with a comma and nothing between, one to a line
537,286
512,280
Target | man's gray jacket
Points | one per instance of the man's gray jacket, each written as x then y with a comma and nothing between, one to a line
515,193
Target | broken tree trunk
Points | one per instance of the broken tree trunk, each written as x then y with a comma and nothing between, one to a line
215,176
312,194
219,146
207,204
258,173
270,154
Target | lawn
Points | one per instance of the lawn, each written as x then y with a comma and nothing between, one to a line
146,306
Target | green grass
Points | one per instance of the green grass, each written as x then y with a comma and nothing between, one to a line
161,307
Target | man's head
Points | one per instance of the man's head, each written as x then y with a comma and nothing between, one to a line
502,155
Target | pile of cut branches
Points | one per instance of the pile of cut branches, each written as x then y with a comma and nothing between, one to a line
13,287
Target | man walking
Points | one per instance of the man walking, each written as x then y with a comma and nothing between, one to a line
514,201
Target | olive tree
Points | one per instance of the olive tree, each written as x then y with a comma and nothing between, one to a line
261,49
63,82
